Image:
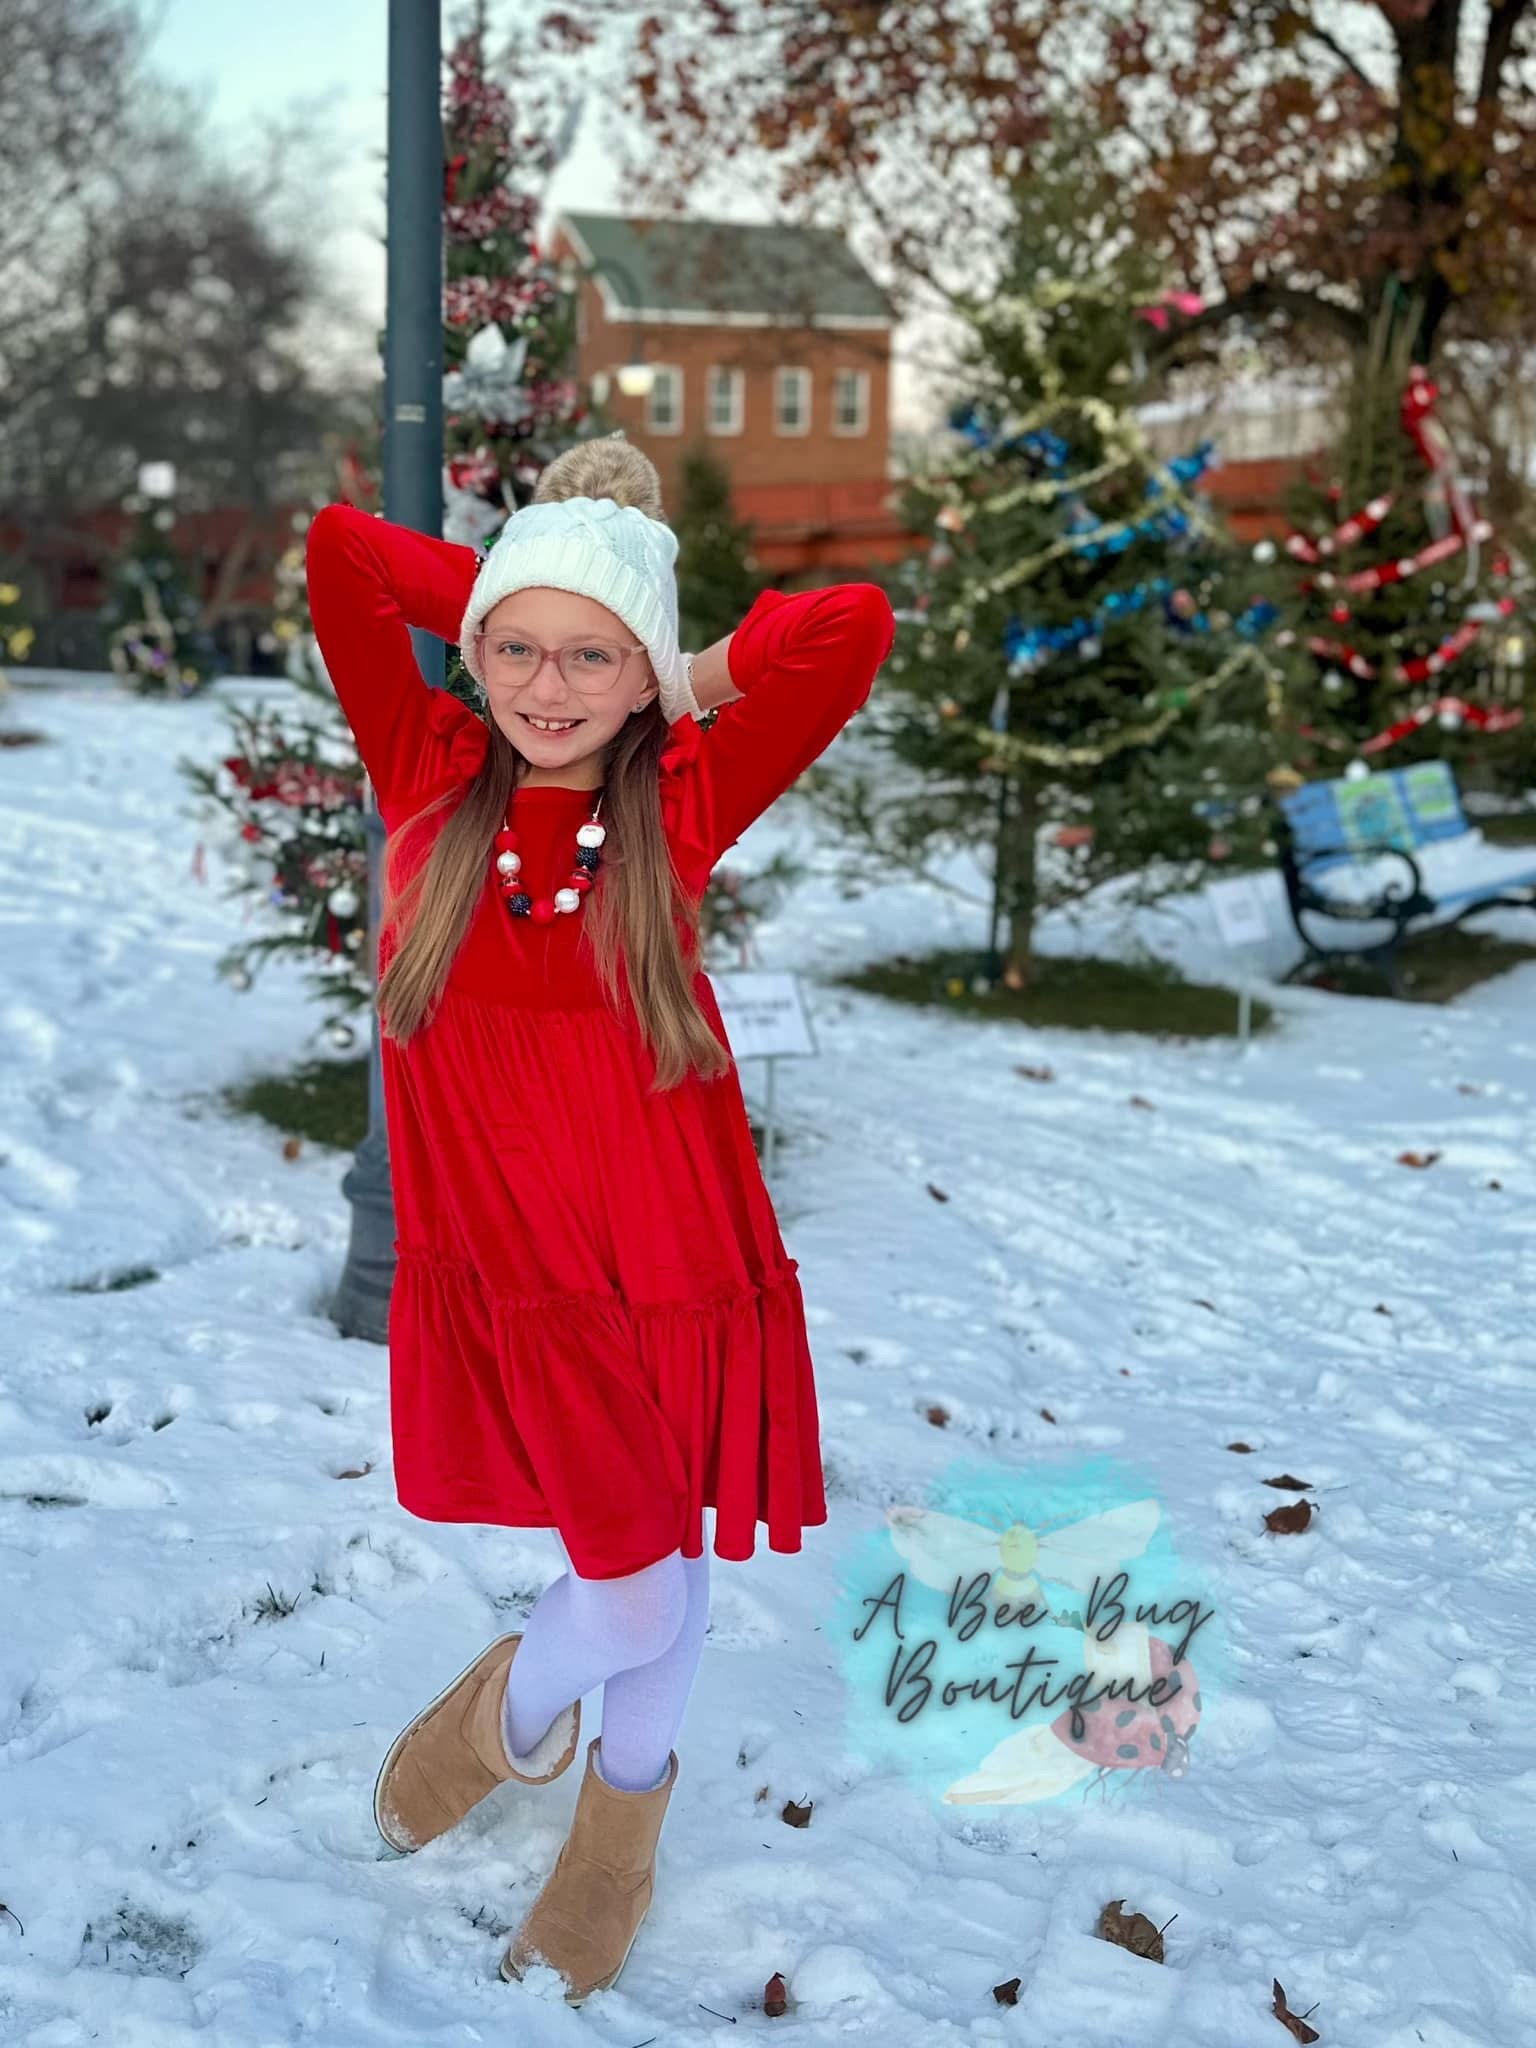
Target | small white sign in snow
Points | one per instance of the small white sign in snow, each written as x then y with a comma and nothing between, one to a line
1237,902
763,1014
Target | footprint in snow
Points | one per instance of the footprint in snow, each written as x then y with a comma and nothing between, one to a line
76,1482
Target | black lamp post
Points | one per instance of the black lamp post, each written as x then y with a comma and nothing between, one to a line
413,496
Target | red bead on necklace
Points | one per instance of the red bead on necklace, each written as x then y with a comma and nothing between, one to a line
566,900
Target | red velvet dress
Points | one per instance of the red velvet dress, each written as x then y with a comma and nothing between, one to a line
595,1325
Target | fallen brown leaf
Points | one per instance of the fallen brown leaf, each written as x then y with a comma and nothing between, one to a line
797,1816
1200,1302
1239,1447
1047,1414
1285,1479
1007,1994
1132,1930
1141,1102
292,1147
1468,1088
1287,2018
1125,1372
776,1996
1419,1159
1035,1073
1290,1520
760,1795
938,1416
356,1471
938,1194
1496,1185
1381,1309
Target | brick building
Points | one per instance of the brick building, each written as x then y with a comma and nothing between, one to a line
771,345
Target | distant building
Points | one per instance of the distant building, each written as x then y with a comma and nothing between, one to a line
771,345
1269,434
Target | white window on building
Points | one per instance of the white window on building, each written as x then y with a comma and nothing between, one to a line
792,401
850,401
664,404
726,400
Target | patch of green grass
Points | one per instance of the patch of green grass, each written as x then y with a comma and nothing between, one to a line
1435,967
1509,828
272,1605
1147,997
325,1101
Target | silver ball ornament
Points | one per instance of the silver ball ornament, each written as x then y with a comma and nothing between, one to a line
508,863
567,900
343,900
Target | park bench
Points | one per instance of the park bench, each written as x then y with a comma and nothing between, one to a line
1373,859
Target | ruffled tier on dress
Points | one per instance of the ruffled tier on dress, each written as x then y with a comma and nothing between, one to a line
630,1419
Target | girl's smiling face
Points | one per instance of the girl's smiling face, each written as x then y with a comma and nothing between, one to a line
577,723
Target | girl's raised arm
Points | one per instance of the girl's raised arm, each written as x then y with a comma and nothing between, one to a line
370,580
803,665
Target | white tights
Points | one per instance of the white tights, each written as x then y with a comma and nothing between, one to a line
639,1637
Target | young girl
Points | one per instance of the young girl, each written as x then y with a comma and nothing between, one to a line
595,1326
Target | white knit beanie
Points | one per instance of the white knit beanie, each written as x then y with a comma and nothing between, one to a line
598,548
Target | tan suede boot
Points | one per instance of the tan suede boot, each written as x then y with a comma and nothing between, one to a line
451,1756
585,1920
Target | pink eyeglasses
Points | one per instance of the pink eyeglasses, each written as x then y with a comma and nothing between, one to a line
591,666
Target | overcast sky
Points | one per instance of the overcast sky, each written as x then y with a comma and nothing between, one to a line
251,60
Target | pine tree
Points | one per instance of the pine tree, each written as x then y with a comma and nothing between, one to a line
156,644
285,807
510,404
1399,592
1081,666
717,573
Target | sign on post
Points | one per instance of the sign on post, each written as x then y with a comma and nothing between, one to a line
1242,919
764,1018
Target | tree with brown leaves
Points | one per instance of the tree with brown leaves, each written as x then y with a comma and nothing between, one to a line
1310,159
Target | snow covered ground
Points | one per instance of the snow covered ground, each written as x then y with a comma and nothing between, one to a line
187,1850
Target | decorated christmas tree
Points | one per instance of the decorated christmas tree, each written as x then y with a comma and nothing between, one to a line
156,643
285,809
510,404
1081,690
1401,595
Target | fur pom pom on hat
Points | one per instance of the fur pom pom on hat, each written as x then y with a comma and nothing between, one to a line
591,530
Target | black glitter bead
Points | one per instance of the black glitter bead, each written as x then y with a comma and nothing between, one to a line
520,904
589,857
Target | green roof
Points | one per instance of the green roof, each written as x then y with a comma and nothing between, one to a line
715,266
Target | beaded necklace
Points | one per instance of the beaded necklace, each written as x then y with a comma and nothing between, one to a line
565,901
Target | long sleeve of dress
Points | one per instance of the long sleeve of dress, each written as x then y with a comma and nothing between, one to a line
804,664
369,581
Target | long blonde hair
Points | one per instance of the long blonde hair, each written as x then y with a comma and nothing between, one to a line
632,909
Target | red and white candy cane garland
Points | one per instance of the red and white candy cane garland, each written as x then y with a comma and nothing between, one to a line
1453,711
565,901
